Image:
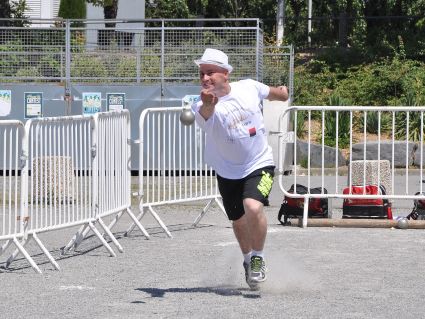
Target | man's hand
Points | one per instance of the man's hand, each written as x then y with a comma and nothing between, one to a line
209,101
208,98
279,93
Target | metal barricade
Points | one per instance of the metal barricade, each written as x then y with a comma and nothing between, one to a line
112,180
378,142
75,172
172,165
13,209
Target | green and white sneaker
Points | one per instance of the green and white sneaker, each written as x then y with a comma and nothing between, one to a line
257,270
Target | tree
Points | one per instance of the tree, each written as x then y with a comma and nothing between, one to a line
110,7
110,11
167,9
12,9
5,11
72,9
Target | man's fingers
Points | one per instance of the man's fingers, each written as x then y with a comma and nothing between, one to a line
208,97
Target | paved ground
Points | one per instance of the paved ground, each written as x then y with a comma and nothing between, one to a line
314,273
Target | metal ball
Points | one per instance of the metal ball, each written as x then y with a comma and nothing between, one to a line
402,223
187,117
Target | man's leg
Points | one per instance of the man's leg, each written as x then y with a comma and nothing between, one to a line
256,223
242,234
250,231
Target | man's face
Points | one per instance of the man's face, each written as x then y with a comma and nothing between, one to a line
213,77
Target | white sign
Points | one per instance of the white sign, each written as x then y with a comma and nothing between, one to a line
5,102
92,103
115,101
33,104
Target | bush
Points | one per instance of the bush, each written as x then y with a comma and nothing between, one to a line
89,67
126,68
313,83
380,83
72,9
28,72
411,99
331,119
10,62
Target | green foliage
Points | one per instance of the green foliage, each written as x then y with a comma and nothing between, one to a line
12,61
89,67
13,9
171,9
101,3
126,68
380,83
301,119
28,72
50,66
331,119
17,10
303,162
72,9
372,122
313,83
414,118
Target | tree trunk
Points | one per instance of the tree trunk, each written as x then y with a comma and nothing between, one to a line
4,12
342,30
109,12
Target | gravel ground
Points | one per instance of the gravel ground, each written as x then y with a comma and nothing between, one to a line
313,273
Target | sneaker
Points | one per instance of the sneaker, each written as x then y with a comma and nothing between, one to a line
258,270
252,285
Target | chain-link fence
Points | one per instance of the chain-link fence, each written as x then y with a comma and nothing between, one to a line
127,52
373,36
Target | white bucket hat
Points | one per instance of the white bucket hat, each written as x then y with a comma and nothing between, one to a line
215,57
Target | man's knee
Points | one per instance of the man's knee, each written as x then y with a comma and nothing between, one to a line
253,206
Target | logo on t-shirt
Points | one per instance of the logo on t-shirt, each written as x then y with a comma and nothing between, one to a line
252,131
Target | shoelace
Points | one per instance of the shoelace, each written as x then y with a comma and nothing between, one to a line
256,264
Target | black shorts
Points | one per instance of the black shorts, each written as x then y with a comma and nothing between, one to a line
256,185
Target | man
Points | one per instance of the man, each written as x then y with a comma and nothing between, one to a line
237,149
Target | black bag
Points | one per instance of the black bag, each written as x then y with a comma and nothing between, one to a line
366,207
294,207
418,211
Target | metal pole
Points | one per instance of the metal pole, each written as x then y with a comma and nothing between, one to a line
67,97
162,57
259,52
280,23
310,9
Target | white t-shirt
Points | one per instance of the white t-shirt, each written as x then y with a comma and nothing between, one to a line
236,144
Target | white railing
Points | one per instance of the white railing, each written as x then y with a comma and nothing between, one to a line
60,179
344,126
13,209
75,172
172,166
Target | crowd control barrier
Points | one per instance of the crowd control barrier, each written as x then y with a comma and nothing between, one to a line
13,208
74,171
63,172
370,145
172,165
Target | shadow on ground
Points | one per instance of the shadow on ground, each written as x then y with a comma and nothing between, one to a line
222,291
